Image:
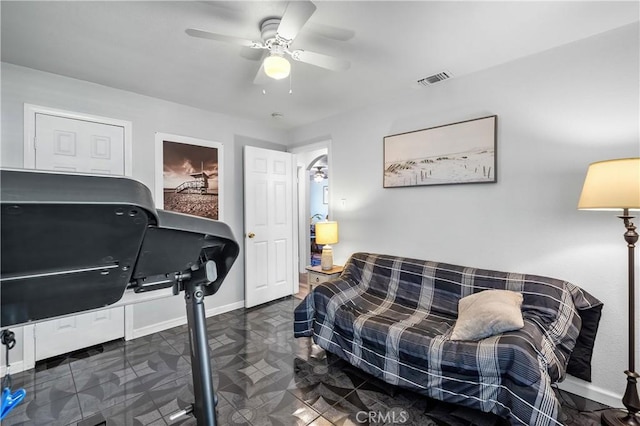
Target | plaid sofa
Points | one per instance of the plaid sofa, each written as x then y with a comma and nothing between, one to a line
392,317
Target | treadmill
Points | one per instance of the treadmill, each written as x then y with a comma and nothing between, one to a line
73,243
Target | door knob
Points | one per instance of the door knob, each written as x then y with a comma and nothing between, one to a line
251,235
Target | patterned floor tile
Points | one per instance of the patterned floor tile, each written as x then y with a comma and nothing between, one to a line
327,379
162,360
137,411
40,375
384,406
181,346
153,379
320,421
62,411
173,396
143,346
280,409
100,360
106,395
118,372
228,415
48,391
262,376
238,390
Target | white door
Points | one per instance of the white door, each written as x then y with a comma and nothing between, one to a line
72,145
56,337
269,243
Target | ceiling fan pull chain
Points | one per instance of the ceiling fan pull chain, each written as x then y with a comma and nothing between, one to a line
290,88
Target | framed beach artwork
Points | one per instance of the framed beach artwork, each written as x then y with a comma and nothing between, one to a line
189,175
463,152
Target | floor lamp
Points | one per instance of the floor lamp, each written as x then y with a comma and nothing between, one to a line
615,185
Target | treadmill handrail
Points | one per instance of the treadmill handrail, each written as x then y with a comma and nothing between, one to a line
37,187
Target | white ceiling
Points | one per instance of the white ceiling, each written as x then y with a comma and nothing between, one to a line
142,47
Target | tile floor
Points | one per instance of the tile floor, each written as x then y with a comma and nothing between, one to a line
263,376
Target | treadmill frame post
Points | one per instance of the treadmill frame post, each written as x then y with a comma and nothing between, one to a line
204,407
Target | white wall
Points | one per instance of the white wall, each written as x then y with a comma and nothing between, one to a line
149,115
557,112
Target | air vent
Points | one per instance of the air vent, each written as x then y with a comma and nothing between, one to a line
435,78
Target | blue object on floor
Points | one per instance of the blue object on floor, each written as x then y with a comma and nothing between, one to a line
10,400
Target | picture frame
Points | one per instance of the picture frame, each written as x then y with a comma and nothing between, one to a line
189,175
325,195
456,153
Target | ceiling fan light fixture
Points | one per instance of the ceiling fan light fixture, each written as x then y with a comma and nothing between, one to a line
276,67
319,175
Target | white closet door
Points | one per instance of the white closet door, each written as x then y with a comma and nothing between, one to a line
71,145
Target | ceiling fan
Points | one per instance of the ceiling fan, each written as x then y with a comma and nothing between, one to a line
277,34
320,175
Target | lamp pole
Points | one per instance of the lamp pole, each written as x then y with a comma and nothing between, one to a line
630,399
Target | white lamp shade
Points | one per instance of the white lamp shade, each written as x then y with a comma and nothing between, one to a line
276,67
327,232
612,185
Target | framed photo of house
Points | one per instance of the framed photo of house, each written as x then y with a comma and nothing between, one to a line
189,175
463,152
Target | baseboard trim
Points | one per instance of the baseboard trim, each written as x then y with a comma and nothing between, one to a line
222,309
588,390
16,367
175,322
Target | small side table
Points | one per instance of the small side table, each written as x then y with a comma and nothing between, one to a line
315,275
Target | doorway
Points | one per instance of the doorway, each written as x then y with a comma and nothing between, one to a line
306,157
318,181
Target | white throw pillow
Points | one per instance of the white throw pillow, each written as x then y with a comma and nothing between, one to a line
488,313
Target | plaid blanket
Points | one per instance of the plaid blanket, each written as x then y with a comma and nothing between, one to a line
392,317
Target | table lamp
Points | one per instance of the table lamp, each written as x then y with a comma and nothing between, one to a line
326,234
615,185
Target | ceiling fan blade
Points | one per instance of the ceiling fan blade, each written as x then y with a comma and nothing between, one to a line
225,38
294,18
330,32
323,61
261,78
252,54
